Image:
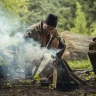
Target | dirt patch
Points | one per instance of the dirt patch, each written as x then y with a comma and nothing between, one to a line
28,89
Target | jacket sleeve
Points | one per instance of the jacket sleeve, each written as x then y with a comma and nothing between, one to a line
31,33
28,33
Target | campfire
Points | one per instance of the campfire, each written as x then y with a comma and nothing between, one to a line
47,70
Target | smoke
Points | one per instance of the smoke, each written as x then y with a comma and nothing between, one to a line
15,52
8,25
8,43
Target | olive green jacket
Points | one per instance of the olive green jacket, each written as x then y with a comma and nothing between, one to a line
36,32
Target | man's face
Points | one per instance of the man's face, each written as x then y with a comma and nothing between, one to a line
47,29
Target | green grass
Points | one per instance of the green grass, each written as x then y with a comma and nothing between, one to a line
83,65
80,64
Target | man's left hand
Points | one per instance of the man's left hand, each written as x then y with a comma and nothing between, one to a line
55,43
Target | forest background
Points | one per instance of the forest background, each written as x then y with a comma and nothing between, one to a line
78,16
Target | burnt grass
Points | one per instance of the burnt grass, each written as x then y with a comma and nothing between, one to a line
25,88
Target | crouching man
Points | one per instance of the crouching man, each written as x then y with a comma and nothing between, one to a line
45,33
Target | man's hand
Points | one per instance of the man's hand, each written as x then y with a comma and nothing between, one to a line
55,43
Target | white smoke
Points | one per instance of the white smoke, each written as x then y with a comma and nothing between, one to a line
14,50
8,25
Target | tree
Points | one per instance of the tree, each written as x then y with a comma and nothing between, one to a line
13,11
80,23
93,29
15,6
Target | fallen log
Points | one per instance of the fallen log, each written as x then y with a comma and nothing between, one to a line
75,49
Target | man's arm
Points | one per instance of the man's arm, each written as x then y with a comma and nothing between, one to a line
28,33
31,31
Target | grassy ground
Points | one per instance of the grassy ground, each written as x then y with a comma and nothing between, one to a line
26,88
80,64
83,68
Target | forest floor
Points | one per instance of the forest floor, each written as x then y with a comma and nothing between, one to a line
20,88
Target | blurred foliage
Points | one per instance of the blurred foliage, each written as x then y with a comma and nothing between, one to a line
9,83
93,29
37,77
80,21
30,12
80,64
14,6
51,86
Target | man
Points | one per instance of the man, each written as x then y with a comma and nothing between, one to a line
46,34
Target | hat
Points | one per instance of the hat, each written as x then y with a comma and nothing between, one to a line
51,20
